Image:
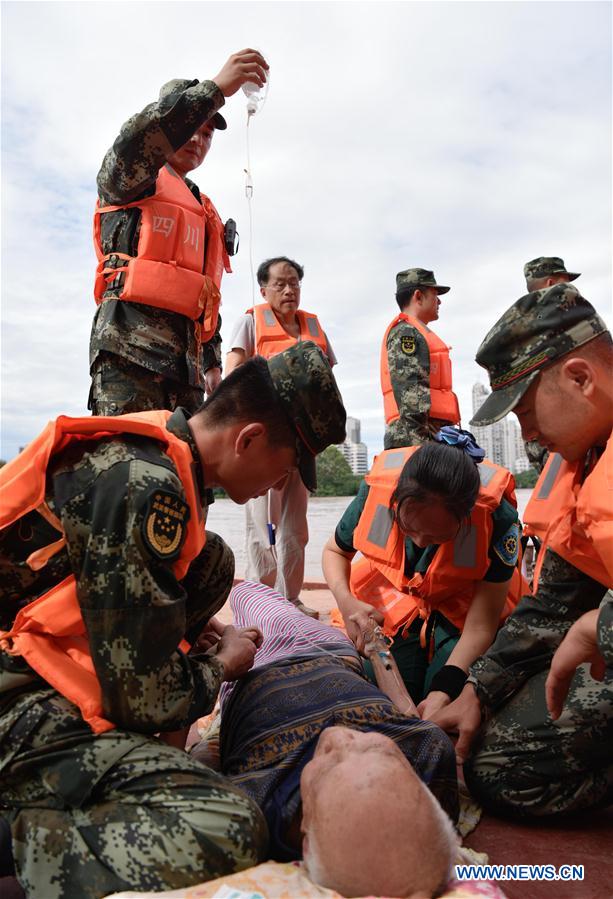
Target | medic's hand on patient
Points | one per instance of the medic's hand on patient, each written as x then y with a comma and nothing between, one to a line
462,716
209,636
434,702
236,650
360,623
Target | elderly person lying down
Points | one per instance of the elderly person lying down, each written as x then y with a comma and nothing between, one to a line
343,778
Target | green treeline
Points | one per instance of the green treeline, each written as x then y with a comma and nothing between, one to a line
334,476
526,478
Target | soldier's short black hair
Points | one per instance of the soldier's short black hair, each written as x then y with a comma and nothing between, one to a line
405,295
248,394
264,268
441,472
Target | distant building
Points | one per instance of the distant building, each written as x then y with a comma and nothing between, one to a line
354,451
501,441
353,429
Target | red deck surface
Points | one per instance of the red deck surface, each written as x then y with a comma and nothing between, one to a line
585,839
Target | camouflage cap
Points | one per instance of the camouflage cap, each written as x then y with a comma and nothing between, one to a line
543,266
418,277
172,90
537,330
308,391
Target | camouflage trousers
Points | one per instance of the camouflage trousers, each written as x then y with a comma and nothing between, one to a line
119,386
152,819
96,814
527,765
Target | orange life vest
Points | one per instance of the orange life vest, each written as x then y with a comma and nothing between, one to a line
49,632
574,517
180,258
457,567
443,401
271,338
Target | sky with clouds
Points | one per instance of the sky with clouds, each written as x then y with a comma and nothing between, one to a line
465,137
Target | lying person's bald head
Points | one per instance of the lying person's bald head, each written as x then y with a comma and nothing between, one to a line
370,825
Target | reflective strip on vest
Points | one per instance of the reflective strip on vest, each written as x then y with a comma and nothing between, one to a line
381,527
394,460
465,548
550,477
312,327
486,473
270,318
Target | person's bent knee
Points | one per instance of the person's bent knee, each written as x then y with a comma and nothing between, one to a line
489,777
232,823
514,785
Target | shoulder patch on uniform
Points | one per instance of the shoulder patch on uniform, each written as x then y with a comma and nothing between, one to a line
164,524
507,547
407,344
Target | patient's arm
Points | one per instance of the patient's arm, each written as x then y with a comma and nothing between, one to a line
390,682
386,671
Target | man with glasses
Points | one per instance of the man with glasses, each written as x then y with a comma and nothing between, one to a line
277,531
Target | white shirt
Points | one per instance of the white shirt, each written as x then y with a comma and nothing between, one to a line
243,338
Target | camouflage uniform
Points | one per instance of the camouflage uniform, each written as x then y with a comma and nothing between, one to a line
546,267
524,763
142,357
409,366
93,814
542,267
604,629
537,454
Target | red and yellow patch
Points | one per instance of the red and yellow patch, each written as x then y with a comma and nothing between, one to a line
407,344
164,524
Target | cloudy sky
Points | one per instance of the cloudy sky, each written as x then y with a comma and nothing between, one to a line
466,137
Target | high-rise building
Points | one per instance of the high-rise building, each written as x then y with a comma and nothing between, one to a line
353,428
354,451
501,441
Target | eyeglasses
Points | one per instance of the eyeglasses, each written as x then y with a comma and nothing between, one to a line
294,284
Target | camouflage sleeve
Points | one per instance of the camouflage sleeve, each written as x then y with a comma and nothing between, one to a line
537,454
122,540
409,365
604,630
211,351
147,140
532,633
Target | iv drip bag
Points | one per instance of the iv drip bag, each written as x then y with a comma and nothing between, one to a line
256,96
